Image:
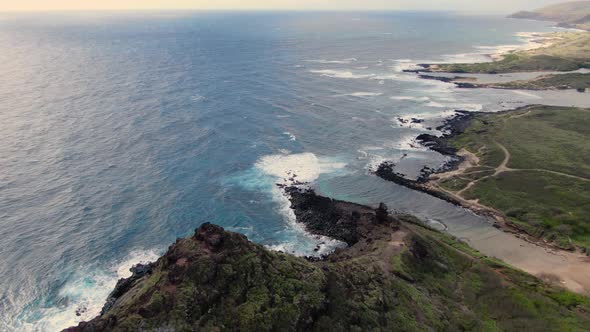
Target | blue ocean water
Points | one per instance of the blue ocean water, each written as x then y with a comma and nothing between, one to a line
122,131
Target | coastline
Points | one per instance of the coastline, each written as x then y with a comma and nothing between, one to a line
534,41
231,187
461,161
393,262
555,51
534,255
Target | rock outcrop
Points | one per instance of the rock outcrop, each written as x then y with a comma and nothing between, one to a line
395,275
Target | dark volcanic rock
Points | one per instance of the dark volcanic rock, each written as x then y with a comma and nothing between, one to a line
453,127
320,215
438,78
464,85
436,143
123,285
219,281
343,221
387,172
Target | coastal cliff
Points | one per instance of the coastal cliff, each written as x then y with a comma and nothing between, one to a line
575,14
395,275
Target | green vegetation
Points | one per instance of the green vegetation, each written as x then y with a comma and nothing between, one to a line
575,14
545,187
405,278
578,81
570,52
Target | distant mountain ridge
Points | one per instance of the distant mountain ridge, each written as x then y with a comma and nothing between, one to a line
574,14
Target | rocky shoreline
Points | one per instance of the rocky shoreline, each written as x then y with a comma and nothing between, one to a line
392,272
451,127
556,82
427,181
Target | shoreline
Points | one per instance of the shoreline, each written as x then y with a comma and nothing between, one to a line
461,161
544,52
534,255
536,40
466,82
395,254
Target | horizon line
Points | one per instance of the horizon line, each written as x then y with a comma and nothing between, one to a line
283,10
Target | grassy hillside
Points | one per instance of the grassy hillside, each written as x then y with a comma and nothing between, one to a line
535,168
570,52
574,14
578,81
398,276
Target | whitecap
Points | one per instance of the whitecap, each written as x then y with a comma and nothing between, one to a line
340,74
430,115
303,167
343,61
284,151
435,104
405,64
410,98
292,170
361,94
86,294
325,245
456,106
291,136
198,98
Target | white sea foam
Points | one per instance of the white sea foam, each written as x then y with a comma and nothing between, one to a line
325,245
405,64
385,77
435,104
291,136
198,98
373,158
306,166
284,151
87,293
411,98
288,170
392,151
340,74
456,106
343,61
361,94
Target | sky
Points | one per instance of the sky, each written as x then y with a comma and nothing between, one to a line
462,5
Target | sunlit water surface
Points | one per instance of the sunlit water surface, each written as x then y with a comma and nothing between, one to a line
121,132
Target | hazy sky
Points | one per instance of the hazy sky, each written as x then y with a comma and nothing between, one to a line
467,5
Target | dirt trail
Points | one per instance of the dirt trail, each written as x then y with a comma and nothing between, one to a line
503,167
469,160
520,115
549,171
568,269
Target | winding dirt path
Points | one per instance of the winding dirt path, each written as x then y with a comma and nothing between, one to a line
535,256
503,167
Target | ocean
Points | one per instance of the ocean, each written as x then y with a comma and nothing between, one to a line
121,132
